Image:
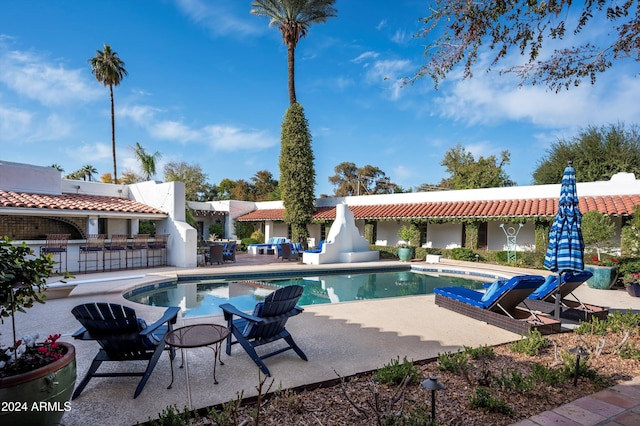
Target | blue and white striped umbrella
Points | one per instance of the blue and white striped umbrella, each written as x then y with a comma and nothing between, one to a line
566,246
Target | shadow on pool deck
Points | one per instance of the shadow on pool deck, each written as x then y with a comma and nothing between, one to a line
346,338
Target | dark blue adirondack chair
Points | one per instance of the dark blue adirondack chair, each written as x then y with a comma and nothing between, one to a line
265,325
122,337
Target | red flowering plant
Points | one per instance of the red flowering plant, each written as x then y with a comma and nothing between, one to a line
631,278
607,261
28,355
22,284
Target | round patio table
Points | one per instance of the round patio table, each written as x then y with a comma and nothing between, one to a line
197,336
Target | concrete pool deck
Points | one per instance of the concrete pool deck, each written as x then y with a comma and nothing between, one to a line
345,338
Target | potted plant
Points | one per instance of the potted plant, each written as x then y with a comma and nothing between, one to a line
631,283
37,379
597,230
409,235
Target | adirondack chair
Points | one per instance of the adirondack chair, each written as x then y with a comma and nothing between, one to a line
122,337
265,325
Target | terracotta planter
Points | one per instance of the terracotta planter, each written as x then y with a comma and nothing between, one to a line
41,396
604,277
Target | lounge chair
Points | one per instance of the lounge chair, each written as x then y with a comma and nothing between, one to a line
543,298
122,337
265,325
498,305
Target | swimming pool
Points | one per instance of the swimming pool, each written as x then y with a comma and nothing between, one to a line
202,296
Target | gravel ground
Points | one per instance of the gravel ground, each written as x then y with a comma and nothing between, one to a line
360,400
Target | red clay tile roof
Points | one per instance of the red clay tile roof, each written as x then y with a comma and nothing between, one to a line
10,199
616,205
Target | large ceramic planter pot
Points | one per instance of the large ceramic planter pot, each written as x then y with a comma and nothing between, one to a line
405,254
39,397
633,289
603,276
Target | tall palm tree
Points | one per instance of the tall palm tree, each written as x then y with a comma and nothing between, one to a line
147,161
293,18
88,172
109,70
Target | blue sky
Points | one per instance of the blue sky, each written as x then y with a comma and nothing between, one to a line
207,85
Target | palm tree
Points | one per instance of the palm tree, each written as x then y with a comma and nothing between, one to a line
147,161
293,18
57,166
88,172
109,70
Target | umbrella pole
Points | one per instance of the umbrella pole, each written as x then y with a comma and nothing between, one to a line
557,310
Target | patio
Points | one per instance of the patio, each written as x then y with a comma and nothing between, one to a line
346,338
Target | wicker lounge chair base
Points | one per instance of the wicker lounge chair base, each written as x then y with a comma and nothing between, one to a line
522,322
571,310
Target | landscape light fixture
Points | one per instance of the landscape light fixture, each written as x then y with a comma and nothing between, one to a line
433,385
578,351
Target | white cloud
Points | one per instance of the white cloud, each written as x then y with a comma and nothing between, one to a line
19,126
391,71
90,153
229,138
220,17
381,24
399,37
173,130
491,98
31,75
364,56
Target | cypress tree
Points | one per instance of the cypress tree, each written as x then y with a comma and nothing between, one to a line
297,174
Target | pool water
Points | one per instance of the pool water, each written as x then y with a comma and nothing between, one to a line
200,297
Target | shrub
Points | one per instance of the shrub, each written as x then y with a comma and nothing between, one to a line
461,253
530,345
217,229
396,372
456,363
258,236
246,242
483,398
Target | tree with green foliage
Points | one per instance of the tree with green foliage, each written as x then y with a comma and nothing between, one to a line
293,18
194,179
297,174
109,70
352,180
597,153
597,230
458,29
147,161
467,173
264,186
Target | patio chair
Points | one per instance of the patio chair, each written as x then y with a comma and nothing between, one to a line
544,297
216,254
498,305
318,249
122,337
56,244
265,325
93,247
139,243
229,253
157,250
284,252
117,245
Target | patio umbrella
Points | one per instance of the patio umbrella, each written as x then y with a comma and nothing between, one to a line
566,247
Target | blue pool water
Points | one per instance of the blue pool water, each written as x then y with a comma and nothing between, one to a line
199,297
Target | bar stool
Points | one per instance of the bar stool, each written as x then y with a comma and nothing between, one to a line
117,245
139,243
56,244
94,246
159,244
